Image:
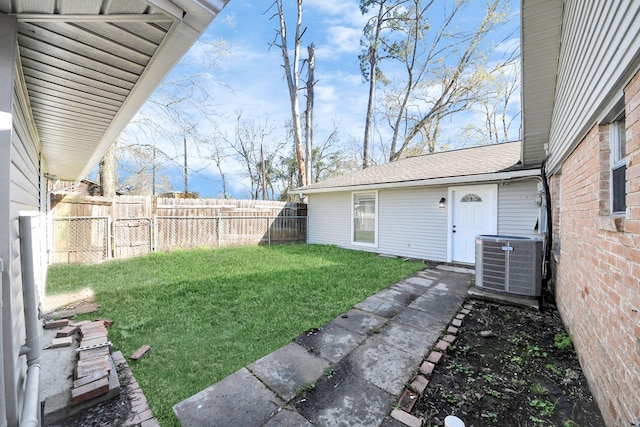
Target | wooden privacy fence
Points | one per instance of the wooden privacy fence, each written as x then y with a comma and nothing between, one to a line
170,224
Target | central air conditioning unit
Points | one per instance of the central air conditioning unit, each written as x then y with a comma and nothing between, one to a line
509,264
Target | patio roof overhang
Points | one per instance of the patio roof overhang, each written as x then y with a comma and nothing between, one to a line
89,65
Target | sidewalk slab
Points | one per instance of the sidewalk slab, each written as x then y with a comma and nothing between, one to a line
396,297
331,342
383,365
438,305
345,399
288,418
380,307
288,369
359,321
406,338
419,319
238,400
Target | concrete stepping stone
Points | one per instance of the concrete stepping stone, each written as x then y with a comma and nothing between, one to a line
345,399
288,369
409,288
423,282
359,321
421,319
406,338
437,305
383,365
288,418
380,307
396,297
331,342
239,399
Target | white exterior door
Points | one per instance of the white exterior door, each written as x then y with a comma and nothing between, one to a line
474,211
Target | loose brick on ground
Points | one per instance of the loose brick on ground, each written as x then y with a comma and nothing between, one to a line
67,331
407,400
106,322
139,353
406,419
449,338
89,379
61,342
427,368
442,345
139,418
460,316
93,346
52,324
89,391
96,361
93,353
465,311
80,323
452,330
434,357
150,423
456,322
419,383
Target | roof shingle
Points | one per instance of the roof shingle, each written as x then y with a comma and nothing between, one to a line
481,160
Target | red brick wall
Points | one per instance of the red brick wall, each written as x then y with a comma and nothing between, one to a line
598,275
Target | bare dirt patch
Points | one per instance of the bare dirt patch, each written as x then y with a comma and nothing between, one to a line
510,367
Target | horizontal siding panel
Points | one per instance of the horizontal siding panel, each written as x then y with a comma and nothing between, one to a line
517,208
411,224
586,80
329,219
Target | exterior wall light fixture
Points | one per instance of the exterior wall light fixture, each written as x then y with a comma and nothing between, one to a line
442,202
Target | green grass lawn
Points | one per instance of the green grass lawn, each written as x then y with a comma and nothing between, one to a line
207,313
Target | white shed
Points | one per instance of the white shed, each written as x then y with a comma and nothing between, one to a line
430,206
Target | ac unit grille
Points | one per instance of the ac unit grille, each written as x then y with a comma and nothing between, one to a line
509,264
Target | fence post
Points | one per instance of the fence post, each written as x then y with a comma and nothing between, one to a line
219,229
268,231
109,237
154,247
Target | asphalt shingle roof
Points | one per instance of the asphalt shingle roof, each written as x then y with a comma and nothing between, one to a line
481,160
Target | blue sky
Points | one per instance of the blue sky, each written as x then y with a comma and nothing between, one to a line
249,77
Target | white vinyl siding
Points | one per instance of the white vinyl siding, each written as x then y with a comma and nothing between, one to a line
411,223
518,210
329,219
20,193
595,36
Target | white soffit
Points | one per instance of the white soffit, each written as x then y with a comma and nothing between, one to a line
90,65
541,30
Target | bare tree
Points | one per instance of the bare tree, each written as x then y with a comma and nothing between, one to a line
292,75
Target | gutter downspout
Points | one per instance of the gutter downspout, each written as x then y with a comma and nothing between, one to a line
30,406
546,279
3,408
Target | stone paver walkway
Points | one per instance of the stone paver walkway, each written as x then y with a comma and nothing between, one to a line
351,372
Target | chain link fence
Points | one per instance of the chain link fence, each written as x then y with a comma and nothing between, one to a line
80,239
88,239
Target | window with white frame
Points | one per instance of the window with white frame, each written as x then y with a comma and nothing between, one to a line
365,217
617,137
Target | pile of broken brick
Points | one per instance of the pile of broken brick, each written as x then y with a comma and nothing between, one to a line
94,363
96,371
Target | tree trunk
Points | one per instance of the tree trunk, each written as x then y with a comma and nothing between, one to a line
108,172
292,76
373,64
309,112
184,174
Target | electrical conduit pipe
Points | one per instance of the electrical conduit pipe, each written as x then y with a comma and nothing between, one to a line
31,403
